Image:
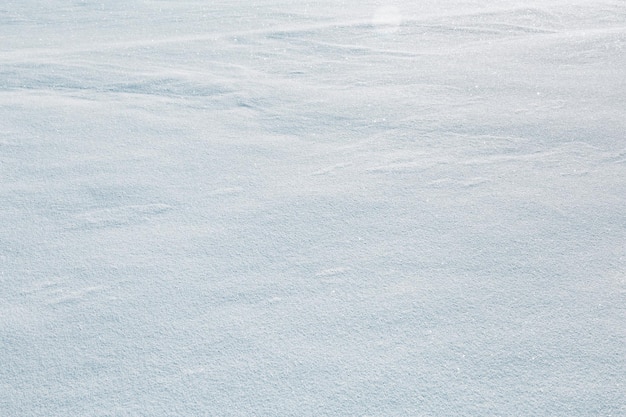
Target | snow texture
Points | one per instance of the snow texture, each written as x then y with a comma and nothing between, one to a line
298,208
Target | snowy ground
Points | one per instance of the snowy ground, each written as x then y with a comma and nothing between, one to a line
329,208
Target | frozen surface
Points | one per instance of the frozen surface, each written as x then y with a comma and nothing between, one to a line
340,208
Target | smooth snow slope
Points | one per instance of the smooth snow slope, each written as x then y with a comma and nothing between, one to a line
330,208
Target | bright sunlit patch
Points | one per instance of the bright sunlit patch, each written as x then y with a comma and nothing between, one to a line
387,19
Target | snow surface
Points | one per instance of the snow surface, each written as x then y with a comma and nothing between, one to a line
340,208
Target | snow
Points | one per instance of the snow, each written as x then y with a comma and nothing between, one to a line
331,208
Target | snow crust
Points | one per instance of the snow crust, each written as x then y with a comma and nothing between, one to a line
336,208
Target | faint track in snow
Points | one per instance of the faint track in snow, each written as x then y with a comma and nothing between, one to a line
331,272
119,216
58,292
226,191
331,169
74,296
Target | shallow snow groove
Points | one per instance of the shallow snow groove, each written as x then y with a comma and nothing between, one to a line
329,208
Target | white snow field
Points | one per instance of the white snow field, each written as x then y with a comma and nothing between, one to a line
312,208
